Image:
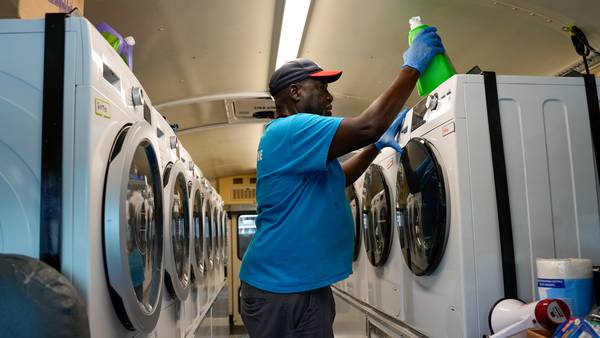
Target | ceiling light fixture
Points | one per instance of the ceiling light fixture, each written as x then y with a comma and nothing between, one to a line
295,14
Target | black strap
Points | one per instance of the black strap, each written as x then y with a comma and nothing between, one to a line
594,113
507,250
52,140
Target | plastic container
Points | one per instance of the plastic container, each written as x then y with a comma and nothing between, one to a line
123,46
567,279
440,69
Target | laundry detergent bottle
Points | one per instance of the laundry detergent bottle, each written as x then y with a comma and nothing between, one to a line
440,69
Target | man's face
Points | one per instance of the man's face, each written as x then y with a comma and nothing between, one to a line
314,97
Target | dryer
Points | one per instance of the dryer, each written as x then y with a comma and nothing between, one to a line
385,265
446,203
99,220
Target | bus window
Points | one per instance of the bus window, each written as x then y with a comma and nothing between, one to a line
246,229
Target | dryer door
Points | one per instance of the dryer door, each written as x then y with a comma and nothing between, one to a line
178,263
133,228
354,208
377,216
421,214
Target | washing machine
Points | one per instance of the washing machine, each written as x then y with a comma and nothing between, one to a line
208,213
80,176
178,243
356,284
385,264
216,224
216,232
221,239
447,207
198,273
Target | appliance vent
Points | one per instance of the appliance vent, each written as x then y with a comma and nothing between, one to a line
244,194
249,109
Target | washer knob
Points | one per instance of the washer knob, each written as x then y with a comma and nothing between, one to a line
137,96
432,101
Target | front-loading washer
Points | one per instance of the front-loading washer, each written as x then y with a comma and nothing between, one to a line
200,281
384,289
356,284
208,213
178,243
220,239
80,176
447,204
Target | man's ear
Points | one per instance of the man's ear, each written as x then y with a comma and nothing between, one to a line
294,91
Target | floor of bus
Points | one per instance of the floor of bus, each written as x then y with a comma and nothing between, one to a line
349,322
216,324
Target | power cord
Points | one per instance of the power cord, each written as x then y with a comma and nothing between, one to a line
581,44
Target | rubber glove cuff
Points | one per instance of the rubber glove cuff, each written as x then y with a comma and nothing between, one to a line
388,139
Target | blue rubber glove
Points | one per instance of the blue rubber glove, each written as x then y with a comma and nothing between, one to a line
388,139
424,47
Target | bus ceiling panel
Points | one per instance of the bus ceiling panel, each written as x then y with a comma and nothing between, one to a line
191,48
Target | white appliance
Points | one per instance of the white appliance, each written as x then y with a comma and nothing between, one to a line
178,240
99,220
384,257
220,239
199,252
446,202
356,283
217,205
209,233
189,306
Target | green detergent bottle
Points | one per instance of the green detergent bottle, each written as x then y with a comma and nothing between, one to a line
440,69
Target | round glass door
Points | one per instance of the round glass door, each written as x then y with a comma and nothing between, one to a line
180,230
198,234
377,216
213,222
133,228
354,208
208,233
421,208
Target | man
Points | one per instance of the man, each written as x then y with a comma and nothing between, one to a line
304,238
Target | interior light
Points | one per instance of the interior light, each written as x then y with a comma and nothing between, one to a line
295,13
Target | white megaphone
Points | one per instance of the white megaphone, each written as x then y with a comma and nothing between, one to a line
509,317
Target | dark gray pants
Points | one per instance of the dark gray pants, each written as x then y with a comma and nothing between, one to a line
277,315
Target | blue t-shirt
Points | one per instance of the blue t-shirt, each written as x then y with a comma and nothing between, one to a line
305,236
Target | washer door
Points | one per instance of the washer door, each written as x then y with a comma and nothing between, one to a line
133,228
197,219
354,208
225,238
421,213
213,222
377,216
178,262
208,233
217,221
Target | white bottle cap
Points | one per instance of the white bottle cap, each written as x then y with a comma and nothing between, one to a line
415,22
130,40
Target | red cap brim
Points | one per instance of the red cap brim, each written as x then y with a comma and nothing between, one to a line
327,75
